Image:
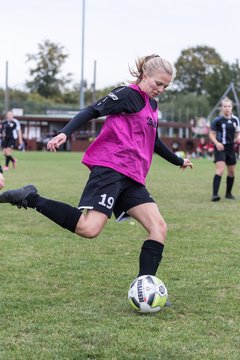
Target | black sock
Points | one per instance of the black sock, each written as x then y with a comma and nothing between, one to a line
216,184
150,257
230,181
62,214
11,158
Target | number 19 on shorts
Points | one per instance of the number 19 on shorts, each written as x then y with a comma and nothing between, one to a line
106,201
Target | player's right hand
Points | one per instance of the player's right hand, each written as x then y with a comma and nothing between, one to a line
56,142
220,146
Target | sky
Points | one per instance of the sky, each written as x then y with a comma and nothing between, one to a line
116,32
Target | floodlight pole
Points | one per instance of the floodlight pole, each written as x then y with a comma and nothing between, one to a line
93,125
94,80
82,68
6,98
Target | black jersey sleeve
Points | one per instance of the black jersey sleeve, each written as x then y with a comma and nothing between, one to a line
78,120
120,100
161,149
1,171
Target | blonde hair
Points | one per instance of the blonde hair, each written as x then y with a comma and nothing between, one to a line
149,65
225,99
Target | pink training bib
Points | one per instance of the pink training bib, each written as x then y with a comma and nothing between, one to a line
126,142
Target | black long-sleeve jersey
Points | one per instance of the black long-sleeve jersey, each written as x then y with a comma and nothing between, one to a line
225,129
8,129
122,100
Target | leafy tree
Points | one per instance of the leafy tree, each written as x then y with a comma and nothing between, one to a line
194,65
218,82
46,70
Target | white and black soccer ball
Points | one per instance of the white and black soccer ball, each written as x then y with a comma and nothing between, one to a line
147,294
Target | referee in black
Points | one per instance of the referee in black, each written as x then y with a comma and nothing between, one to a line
225,130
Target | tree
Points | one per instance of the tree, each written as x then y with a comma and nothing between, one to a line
47,67
217,83
194,65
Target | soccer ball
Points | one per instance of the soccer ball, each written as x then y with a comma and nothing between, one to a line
147,294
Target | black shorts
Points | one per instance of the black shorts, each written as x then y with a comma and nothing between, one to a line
8,143
228,155
109,191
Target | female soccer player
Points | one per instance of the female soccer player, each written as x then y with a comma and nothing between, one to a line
119,160
224,131
11,131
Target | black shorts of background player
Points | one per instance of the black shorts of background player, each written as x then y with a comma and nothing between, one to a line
119,159
225,130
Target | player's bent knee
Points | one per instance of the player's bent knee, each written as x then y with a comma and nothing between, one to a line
89,232
91,225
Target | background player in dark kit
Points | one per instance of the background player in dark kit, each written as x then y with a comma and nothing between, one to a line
11,132
225,130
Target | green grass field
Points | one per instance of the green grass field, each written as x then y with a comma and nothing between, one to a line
64,297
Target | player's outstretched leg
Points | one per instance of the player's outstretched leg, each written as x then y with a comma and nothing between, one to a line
62,214
18,197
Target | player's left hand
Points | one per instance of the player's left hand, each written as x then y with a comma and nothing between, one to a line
186,163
